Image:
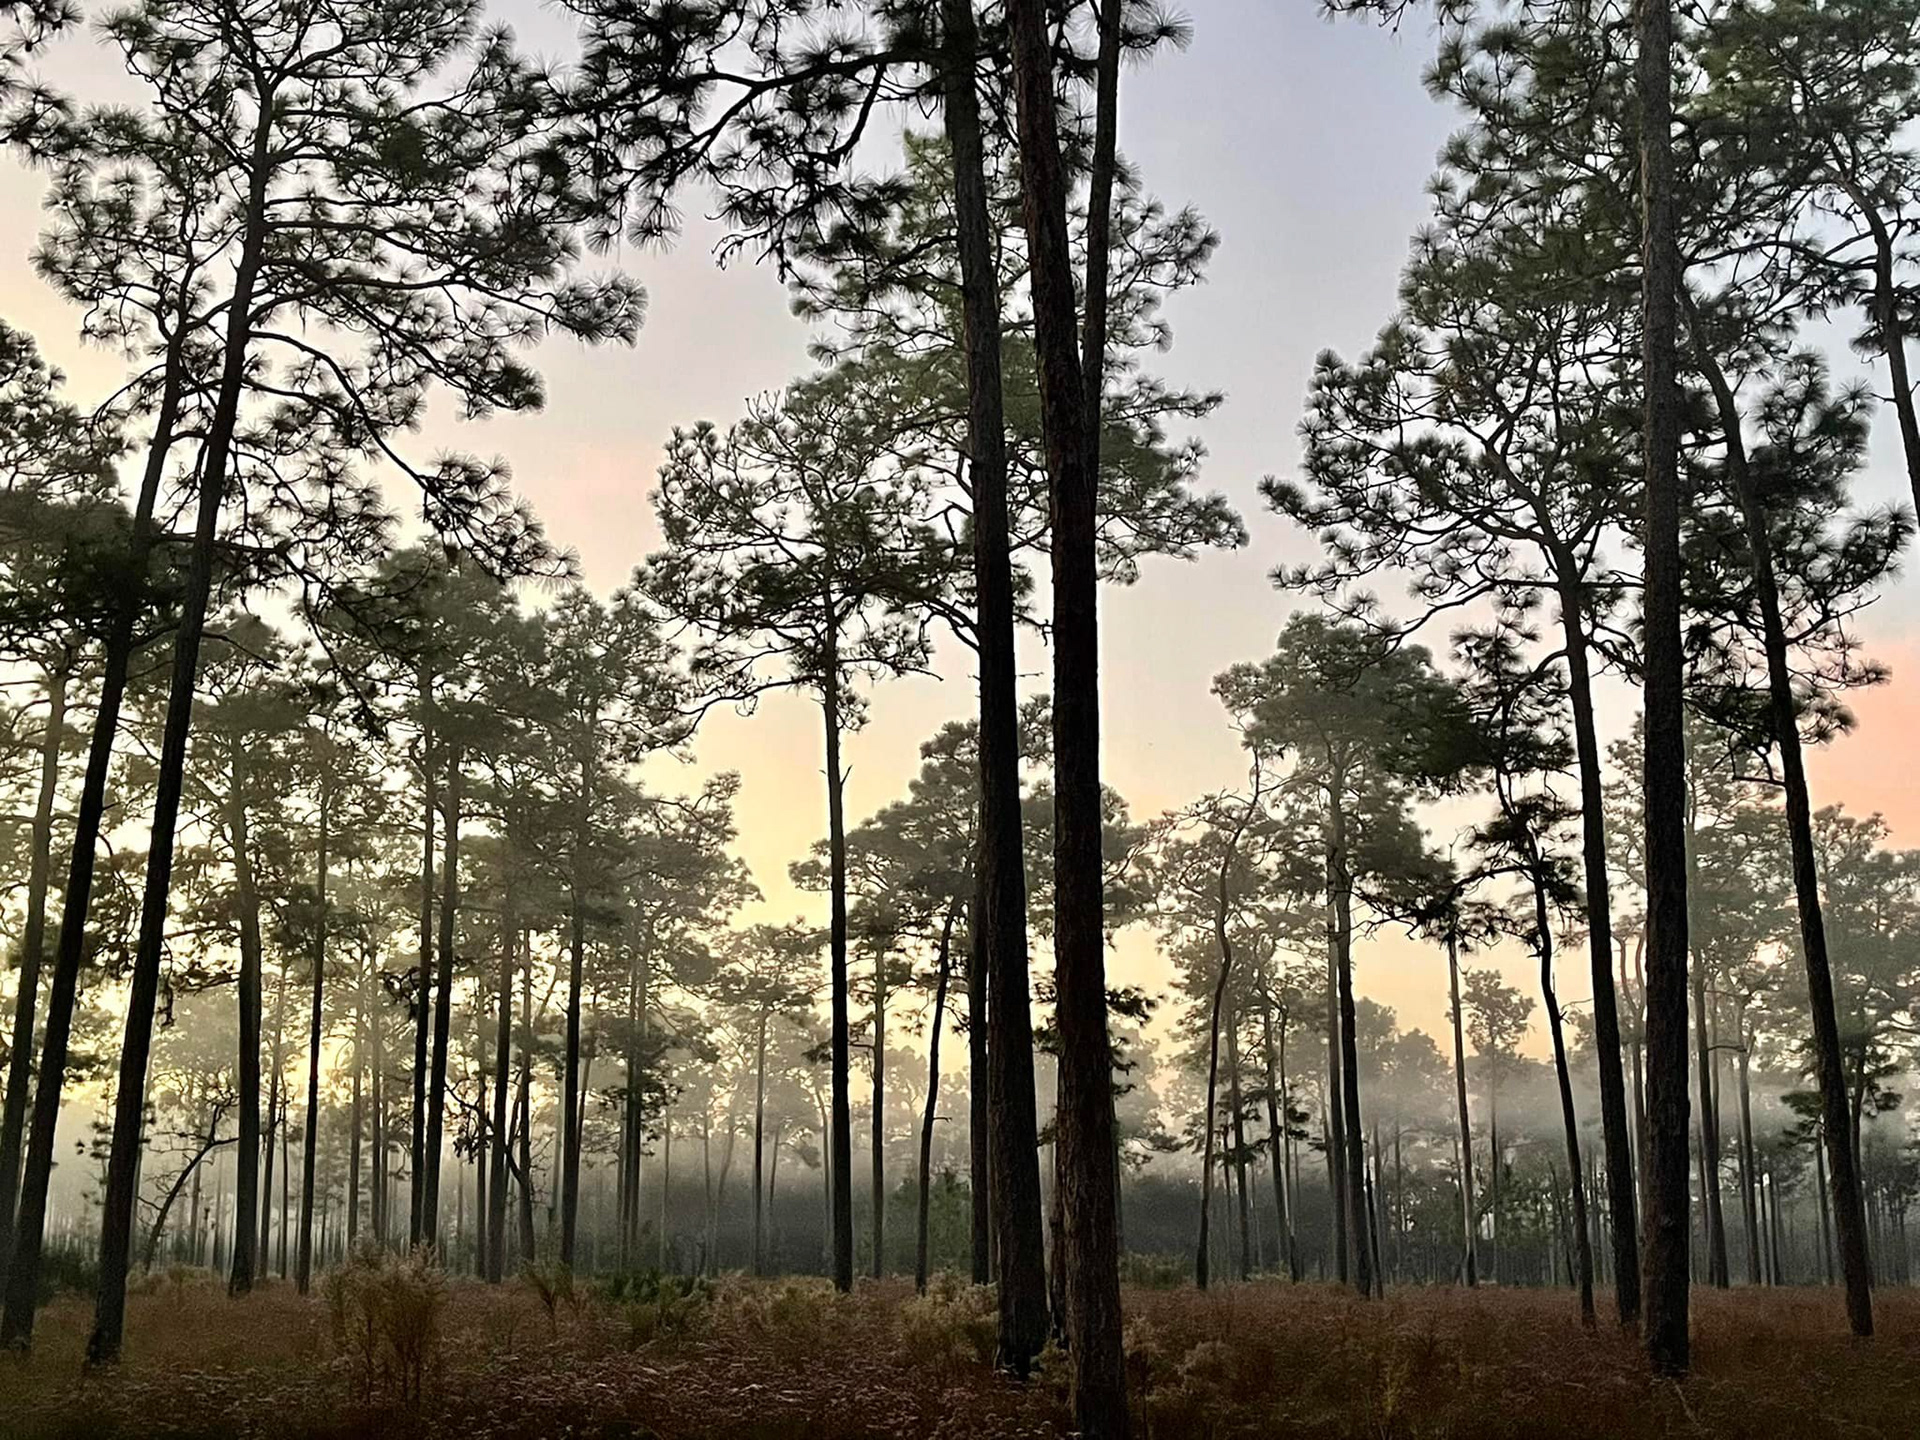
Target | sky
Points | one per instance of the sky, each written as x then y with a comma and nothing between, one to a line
1307,144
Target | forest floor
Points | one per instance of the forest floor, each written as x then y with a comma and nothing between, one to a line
772,1360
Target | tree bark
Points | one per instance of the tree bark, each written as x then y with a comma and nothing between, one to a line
877,1156
1665,1267
1015,1245
1582,1247
759,1144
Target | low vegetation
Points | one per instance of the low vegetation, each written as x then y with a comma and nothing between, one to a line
390,1349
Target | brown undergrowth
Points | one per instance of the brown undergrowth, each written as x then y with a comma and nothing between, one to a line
744,1360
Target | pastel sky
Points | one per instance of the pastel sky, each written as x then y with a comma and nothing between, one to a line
1306,143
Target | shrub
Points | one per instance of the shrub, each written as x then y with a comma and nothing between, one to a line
790,1317
552,1282
384,1313
656,1306
952,1326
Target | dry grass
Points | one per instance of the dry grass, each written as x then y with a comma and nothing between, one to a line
789,1359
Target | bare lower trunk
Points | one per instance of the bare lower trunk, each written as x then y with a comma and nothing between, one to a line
1665,1265
1014,1246
442,1008
930,1113
1469,1220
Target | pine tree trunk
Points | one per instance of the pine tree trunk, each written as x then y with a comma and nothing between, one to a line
1665,1265
248,1194
1842,1146
1716,1226
304,1273
23,1222
1009,1203
502,1061
930,1113
1277,1105
573,1108
33,945
841,1147
1582,1249
423,997
759,1145
117,1206
1469,1220
1749,1206
878,1148
1354,1167
1615,1137
1085,1125
442,1008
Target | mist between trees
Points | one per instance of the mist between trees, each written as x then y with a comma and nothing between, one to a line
361,894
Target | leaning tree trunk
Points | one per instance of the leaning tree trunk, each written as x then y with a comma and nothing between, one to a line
929,1114
1665,1266
1891,330
304,1272
1010,1201
33,944
1469,1221
1582,1245
980,1211
23,1222
442,1009
1849,1218
1085,1125
1616,1137
1236,1112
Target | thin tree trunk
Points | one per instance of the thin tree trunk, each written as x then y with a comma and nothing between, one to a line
878,1156
1014,1245
1749,1170
574,1110
33,945
305,1271
1340,897
1665,1266
417,1176
1842,1156
1469,1220
1616,1139
1277,1106
841,1147
759,1144
442,1007
1716,1227
1583,1252
247,1191
930,1113
502,1061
